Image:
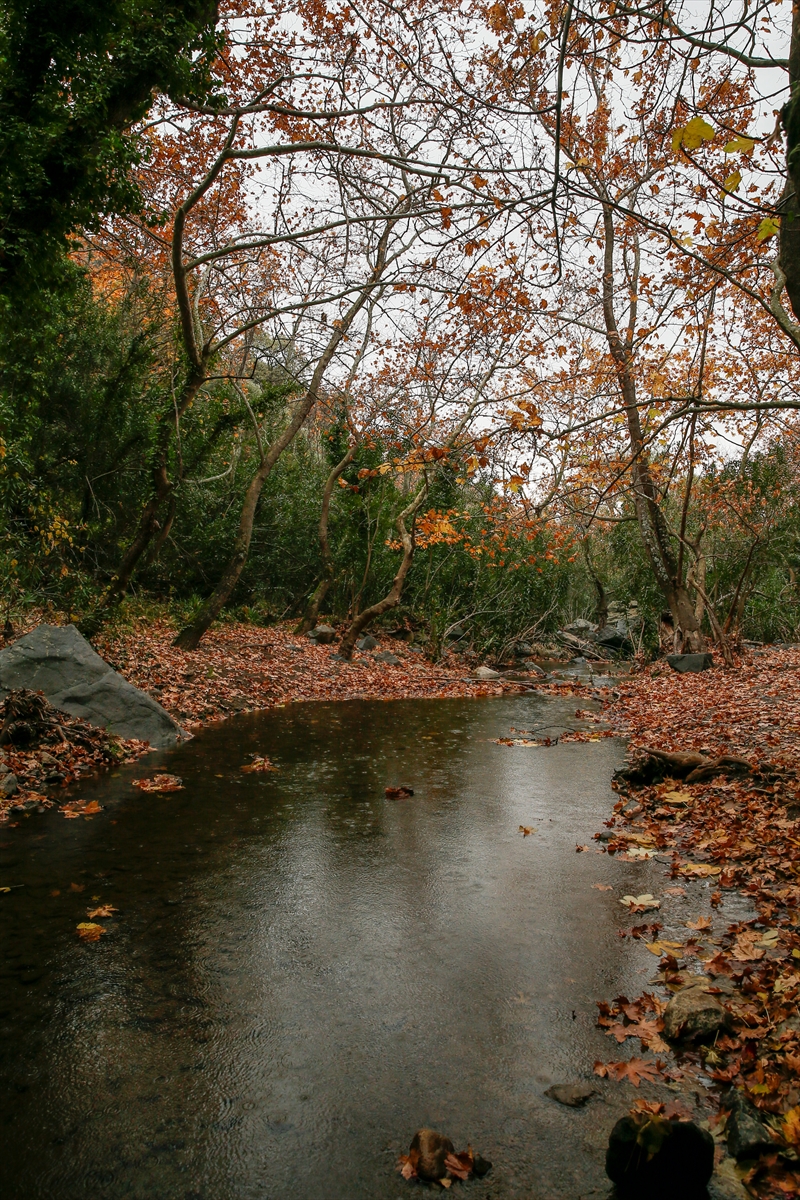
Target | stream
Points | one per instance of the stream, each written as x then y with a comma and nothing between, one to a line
302,972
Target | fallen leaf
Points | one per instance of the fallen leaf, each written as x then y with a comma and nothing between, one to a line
526,830
89,932
398,793
603,887
105,910
76,887
674,891
702,923
678,799
640,903
159,783
580,849
702,870
634,1070
260,763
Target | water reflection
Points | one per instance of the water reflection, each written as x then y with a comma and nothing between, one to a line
301,972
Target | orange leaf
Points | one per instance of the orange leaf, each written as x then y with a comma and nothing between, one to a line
634,1070
89,932
105,910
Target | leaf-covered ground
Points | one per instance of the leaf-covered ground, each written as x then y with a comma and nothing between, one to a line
742,836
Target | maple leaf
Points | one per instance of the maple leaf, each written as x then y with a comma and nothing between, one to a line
702,923
634,1070
526,830
105,910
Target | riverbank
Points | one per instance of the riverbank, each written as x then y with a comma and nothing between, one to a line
731,846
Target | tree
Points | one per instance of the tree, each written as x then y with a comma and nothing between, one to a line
74,79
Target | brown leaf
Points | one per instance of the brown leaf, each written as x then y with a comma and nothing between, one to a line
89,932
105,910
398,793
159,783
634,1070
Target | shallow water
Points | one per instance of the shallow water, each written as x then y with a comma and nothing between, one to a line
302,972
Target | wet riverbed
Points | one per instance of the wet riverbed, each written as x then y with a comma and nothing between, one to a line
302,972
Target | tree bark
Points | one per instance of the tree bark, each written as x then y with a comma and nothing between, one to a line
309,619
392,598
789,244
652,524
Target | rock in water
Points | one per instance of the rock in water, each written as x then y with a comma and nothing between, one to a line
690,662
574,1095
657,1159
56,660
693,1014
432,1148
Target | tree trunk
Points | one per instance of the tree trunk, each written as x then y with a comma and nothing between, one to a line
789,244
309,619
652,524
392,598
189,637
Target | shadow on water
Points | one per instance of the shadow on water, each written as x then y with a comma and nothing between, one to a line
301,972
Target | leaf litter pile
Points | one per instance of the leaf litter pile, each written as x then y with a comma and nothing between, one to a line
43,750
239,668
713,792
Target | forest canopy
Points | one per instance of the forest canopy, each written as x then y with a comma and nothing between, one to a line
476,317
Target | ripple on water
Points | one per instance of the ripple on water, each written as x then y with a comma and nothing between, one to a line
301,972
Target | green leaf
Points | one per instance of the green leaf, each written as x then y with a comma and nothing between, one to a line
732,182
767,229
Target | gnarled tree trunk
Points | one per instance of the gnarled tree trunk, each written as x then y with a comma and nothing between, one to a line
309,619
392,598
652,523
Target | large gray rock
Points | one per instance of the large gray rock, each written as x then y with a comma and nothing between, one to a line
323,634
690,662
56,660
693,1015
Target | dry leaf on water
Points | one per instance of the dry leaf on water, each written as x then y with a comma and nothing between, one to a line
634,1070
159,783
603,887
398,793
90,932
105,910
640,903
260,763
526,830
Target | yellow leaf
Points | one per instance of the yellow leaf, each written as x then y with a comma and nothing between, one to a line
732,182
791,1126
692,135
677,798
89,932
768,228
739,145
